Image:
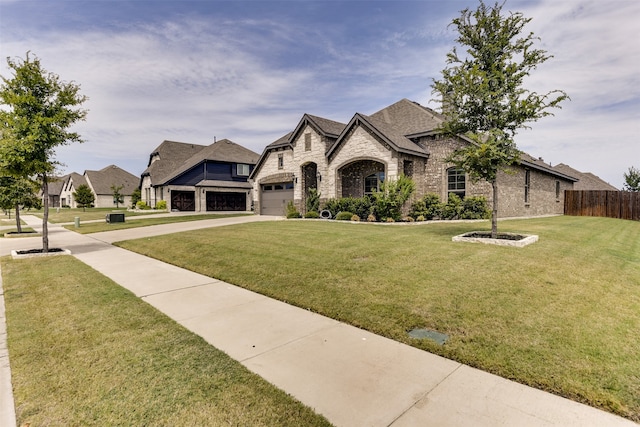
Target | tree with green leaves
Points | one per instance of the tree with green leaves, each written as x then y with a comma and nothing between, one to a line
37,111
632,179
482,92
117,196
16,193
135,197
84,196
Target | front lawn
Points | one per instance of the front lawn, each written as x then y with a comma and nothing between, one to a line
95,227
84,351
59,215
562,314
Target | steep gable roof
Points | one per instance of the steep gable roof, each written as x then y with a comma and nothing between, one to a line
102,180
586,180
385,131
282,142
220,151
409,118
168,157
325,127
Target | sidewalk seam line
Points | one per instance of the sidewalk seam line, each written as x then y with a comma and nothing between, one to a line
425,395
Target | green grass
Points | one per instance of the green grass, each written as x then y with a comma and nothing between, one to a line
94,227
85,351
562,314
68,214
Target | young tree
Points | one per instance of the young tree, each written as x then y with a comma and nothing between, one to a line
84,196
632,179
135,197
117,197
482,92
38,109
16,192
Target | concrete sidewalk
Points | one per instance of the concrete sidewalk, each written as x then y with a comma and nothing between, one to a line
352,377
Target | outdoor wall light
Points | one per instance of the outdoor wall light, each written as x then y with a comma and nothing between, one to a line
319,176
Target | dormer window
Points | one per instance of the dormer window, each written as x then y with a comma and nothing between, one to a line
242,170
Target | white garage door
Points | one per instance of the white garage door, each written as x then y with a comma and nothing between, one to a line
275,197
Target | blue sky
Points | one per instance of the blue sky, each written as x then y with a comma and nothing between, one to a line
193,71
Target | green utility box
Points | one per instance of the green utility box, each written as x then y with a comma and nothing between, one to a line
115,217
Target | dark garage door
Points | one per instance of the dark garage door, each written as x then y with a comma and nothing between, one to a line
226,201
274,198
183,200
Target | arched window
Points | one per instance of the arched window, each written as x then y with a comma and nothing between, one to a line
456,182
372,182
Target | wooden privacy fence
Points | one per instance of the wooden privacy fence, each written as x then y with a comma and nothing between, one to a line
612,204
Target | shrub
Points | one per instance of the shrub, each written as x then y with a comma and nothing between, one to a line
371,218
392,196
420,218
355,218
162,204
359,206
475,208
142,205
344,216
312,214
292,211
428,207
453,208
313,200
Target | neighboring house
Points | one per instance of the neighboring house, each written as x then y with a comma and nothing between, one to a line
586,180
194,177
353,159
103,181
61,189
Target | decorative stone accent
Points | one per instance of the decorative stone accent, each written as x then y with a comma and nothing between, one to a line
524,241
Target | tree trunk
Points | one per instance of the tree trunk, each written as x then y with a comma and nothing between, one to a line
18,225
494,211
45,218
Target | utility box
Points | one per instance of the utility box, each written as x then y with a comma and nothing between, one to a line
115,217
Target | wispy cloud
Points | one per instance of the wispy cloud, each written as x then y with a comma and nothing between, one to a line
189,71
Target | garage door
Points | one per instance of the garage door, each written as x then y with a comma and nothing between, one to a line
183,200
226,201
274,198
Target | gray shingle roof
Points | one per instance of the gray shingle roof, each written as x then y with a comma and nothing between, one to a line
102,180
220,151
587,180
170,156
409,117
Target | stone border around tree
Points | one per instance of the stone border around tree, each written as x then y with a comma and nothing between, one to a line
17,255
527,239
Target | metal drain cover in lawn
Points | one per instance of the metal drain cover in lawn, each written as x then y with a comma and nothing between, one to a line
436,336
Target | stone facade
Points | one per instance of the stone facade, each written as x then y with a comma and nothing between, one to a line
336,159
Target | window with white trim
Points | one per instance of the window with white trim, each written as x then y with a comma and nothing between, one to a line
456,182
242,169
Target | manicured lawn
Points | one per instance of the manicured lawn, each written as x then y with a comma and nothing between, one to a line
68,215
85,351
562,314
94,227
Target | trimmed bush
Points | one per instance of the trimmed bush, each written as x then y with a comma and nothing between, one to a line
359,206
428,207
292,211
344,216
161,205
475,208
142,205
312,214
355,218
